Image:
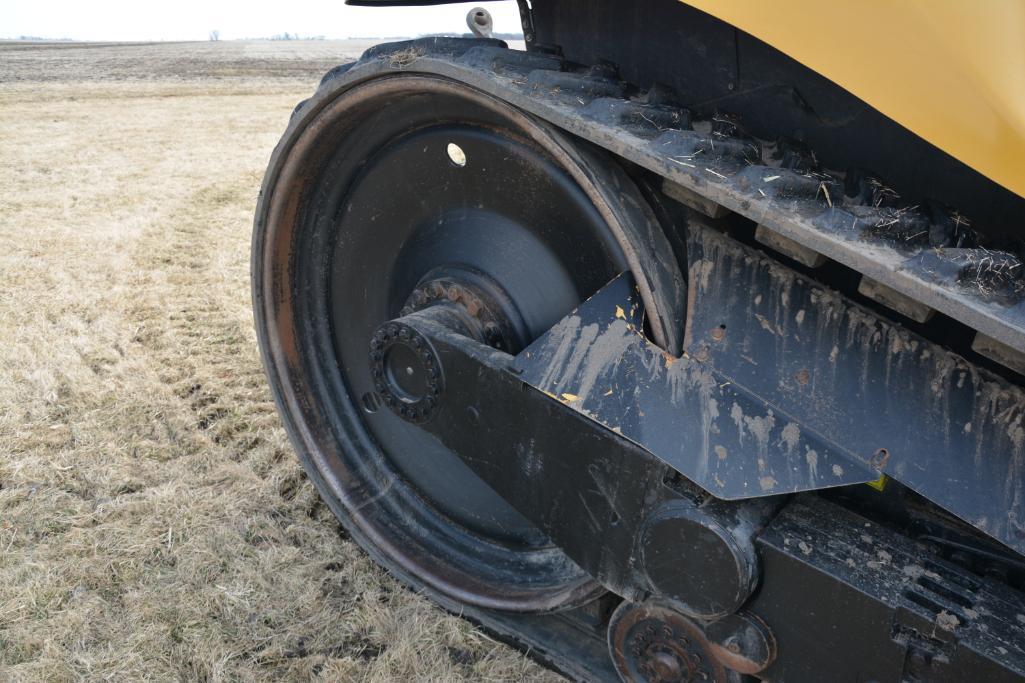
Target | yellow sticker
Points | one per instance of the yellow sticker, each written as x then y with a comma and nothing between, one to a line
879,484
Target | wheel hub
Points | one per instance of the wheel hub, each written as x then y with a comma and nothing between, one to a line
489,314
652,643
407,374
406,371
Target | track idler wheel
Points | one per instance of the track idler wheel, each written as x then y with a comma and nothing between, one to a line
651,642
397,195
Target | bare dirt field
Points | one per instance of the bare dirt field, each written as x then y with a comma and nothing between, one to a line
154,522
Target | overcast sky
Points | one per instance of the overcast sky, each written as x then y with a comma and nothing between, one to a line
194,19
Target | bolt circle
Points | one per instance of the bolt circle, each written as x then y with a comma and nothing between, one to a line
392,373
477,299
652,642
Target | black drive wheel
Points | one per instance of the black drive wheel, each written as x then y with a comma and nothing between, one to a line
382,198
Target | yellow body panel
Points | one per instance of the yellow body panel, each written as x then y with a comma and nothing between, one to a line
951,71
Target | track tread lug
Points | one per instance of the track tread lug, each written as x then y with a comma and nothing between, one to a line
855,220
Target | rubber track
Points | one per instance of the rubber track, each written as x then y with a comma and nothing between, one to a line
927,252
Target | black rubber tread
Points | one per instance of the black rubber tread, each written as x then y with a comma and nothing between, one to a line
927,252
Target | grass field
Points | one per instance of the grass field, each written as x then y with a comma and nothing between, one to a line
154,522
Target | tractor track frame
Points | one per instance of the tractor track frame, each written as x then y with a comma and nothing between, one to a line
596,106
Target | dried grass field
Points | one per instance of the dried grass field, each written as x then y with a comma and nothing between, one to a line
154,522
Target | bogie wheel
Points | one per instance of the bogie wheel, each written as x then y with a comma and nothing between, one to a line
651,643
387,196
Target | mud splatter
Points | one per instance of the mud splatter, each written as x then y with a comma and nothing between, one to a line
947,621
812,458
761,429
737,414
790,436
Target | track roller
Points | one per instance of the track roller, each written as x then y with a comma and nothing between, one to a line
651,642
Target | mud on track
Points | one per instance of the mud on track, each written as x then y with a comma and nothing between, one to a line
154,523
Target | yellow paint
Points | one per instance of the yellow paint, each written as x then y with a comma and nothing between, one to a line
878,484
620,313
951,71
571,397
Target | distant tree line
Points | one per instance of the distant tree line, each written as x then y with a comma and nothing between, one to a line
295,36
